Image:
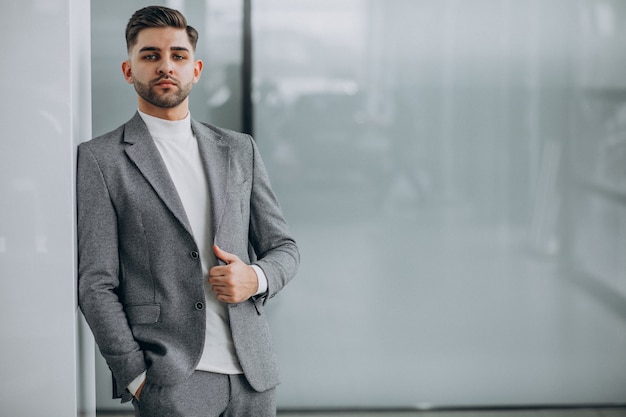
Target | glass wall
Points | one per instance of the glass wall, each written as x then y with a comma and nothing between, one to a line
598,153
454,174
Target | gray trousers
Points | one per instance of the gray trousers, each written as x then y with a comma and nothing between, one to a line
205,394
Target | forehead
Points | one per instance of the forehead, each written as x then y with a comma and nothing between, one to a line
162,38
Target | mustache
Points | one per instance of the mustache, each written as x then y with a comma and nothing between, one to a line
164,77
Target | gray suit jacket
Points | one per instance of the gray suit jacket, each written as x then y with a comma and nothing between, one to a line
140,284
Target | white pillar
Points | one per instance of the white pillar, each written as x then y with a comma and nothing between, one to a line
45,113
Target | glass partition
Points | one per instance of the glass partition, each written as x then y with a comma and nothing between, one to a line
453,172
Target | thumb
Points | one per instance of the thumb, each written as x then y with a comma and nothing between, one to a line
224,256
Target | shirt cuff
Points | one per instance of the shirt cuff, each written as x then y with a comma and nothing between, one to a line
136,383
262,280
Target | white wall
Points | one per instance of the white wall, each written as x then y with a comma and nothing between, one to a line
44,79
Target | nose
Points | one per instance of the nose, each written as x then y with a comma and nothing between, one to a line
166,66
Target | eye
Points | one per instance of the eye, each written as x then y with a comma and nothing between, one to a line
151,57
178,57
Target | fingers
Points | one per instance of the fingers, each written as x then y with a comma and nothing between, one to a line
224,256
223,277
234,282
230,293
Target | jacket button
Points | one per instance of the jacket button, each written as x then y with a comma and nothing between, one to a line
194,254
199,306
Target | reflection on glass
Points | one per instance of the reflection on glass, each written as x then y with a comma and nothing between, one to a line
426,153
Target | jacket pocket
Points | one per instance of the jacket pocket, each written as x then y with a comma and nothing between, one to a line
143,313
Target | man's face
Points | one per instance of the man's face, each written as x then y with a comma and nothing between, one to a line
162,68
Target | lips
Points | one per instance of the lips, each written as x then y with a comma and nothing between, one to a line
166,83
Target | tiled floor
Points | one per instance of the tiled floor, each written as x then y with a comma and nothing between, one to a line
577,412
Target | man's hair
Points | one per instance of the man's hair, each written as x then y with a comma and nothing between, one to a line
157,17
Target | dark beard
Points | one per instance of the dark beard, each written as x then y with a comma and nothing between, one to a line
163,101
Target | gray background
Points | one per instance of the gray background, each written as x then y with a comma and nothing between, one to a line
454,174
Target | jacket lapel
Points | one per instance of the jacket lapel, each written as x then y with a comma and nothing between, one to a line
144,153
215,157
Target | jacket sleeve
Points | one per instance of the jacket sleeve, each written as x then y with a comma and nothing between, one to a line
98,273
276,251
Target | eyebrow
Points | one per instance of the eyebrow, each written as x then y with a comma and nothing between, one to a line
155,49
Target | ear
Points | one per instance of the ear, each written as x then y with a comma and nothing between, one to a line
197,70
128,73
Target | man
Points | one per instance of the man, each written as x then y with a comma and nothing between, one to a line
181,243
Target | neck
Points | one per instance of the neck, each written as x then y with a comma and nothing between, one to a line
168,131
175,113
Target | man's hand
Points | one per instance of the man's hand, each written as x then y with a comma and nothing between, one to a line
234,282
